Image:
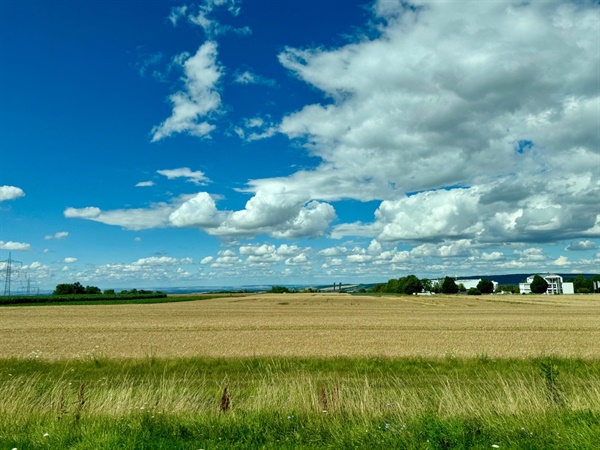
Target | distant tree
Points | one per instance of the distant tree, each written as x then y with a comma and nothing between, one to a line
278,290
69,289
63,289
461,288
92,290
109,292
582,285
538,285
473,291
427,284
485,286
411,285
449,286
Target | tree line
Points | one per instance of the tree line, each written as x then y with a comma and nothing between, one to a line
410,285
78,289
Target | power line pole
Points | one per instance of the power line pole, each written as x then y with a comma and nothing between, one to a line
8,273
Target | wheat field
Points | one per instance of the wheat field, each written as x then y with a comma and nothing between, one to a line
310,325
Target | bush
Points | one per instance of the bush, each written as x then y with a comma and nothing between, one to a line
473,291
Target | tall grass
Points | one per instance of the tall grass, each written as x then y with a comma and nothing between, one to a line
300,403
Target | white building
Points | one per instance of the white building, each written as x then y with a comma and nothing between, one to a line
555,285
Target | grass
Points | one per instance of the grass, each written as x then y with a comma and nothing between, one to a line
299,403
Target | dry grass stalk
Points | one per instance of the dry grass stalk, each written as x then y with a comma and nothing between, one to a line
225,401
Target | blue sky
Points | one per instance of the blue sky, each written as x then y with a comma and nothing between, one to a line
223,142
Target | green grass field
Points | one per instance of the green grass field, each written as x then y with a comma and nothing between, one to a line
300,403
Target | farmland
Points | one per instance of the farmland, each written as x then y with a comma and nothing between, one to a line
303,371
310,325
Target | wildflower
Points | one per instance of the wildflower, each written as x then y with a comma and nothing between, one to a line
495,446
46,435
387,425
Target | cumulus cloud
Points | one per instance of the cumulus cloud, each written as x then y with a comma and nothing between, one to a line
197,177
10,245
199,98
161,261
145,184
69,260
581,245
10,193
447,98
199,211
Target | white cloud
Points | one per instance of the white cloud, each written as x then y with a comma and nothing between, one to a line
454,97
89,212
581,245
197,177
58,235
161,261
199,99
69,260
177,13
198,211
10,245
145,184
561,261
211,26
157,216
248,77
298,260
10,193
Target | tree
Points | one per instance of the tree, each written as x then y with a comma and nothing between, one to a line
279,290
92,290
69,289
411,285
485,286
449,286
427,284
473,291
583,285
538,285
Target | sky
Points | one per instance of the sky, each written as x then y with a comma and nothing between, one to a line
229,143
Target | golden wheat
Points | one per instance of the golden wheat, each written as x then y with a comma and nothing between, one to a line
310,325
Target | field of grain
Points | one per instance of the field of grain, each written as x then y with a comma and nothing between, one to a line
310,325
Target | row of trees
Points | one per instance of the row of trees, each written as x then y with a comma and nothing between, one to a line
78,289
411,284
583,285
